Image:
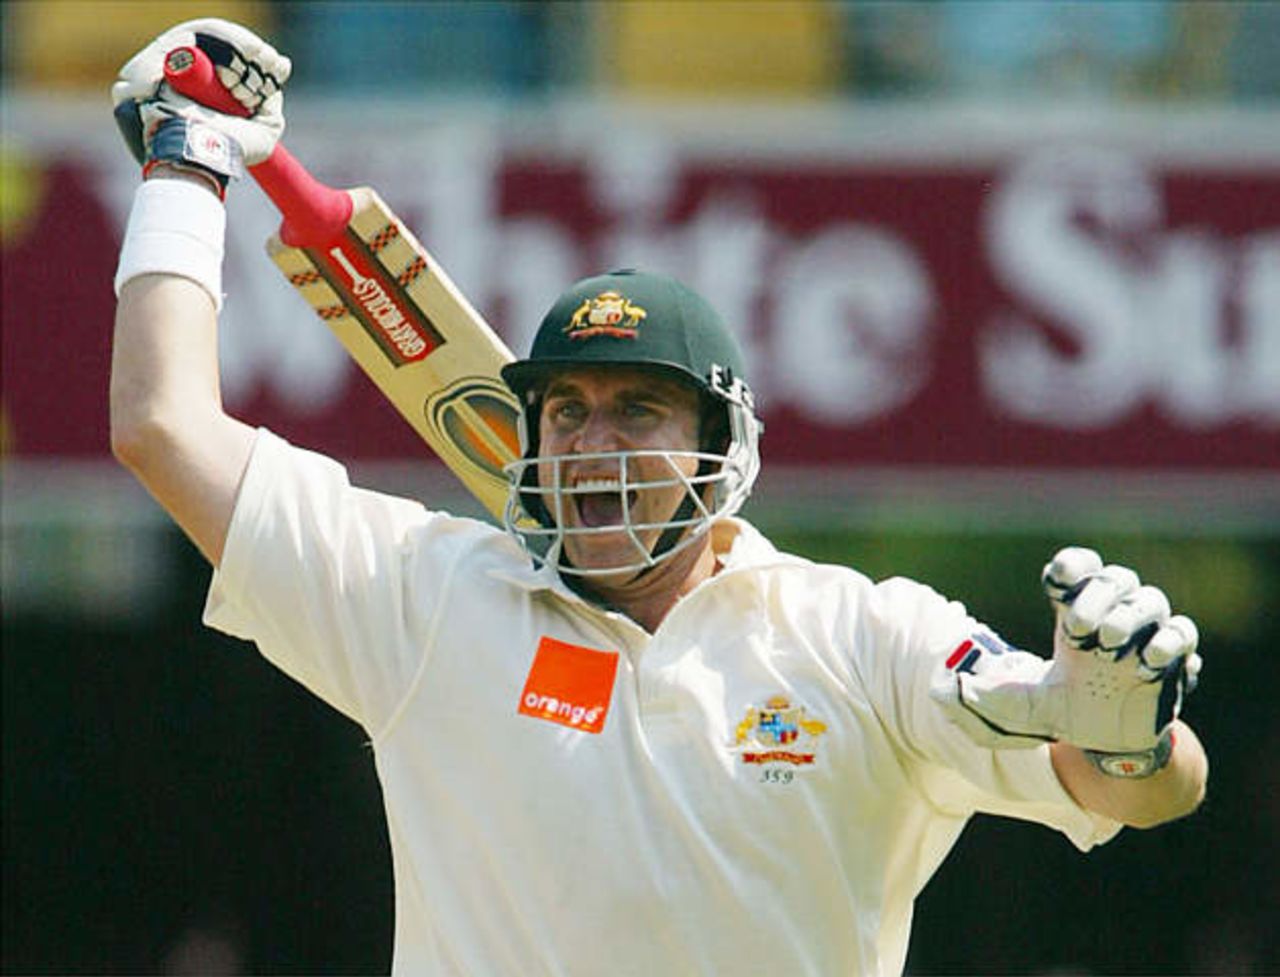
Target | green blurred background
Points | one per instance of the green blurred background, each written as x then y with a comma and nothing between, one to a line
174,805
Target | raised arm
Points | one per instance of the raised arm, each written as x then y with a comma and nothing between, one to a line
1108,700
168,425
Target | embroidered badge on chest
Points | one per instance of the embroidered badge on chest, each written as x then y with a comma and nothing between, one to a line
778,732
570,685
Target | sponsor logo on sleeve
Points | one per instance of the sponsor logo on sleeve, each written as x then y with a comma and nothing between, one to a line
964,657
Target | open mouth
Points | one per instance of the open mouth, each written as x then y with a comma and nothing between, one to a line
601,502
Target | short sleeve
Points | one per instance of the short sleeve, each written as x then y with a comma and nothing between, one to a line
906,635
336,585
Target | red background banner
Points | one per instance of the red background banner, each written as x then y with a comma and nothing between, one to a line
1077,308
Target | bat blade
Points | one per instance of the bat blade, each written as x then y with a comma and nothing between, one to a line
416,336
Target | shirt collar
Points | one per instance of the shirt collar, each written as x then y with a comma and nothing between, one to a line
529,574
739,545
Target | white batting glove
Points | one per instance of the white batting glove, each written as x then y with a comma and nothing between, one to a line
1121,667
158,123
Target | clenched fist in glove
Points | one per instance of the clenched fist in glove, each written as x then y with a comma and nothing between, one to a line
1122,663
159,125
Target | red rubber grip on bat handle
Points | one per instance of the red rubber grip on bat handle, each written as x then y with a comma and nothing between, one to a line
314,214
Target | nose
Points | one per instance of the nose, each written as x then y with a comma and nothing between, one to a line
597,433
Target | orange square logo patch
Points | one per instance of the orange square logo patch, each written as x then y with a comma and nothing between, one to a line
569,685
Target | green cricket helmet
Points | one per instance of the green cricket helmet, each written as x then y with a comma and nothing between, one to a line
650,322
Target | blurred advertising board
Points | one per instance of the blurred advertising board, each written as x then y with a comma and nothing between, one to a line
923,289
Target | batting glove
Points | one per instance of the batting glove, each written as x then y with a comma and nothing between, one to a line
159,125
1122,665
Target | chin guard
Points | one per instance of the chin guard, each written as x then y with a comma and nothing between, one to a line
536,514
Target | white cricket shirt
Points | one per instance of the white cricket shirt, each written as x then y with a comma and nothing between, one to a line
761,786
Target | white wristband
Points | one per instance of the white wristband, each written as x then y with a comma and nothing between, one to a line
175,228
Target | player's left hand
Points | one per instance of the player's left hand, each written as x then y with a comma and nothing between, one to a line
251,69
1121,666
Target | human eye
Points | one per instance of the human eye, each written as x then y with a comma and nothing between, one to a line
642,415
565,412
638,408
641,412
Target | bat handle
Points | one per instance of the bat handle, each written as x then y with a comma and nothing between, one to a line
314,214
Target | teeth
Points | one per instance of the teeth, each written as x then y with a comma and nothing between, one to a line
598,485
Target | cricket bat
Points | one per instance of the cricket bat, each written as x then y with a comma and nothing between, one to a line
388,301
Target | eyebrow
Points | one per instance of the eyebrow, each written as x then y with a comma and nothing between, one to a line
664,393
560,388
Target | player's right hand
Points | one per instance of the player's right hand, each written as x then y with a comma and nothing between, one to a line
250,68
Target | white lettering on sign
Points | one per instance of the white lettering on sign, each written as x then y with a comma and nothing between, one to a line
851,324
1106,307
1180,319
